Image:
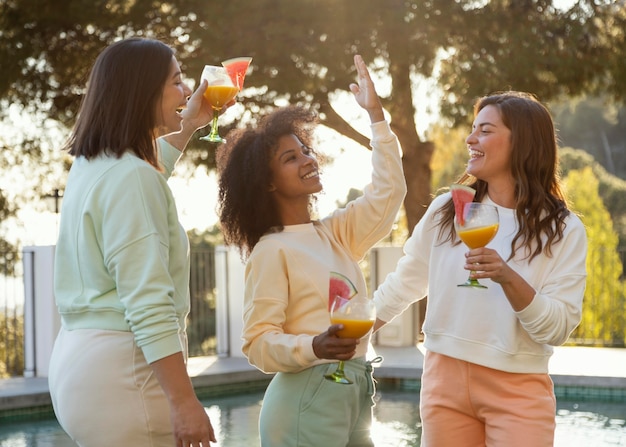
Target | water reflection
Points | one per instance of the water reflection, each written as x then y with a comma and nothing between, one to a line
397,423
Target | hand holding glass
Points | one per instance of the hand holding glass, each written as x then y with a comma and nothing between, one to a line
220,91
478,225
357,316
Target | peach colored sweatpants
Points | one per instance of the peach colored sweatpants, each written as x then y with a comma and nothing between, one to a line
468,405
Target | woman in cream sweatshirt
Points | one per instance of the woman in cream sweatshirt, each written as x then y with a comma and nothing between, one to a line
290,257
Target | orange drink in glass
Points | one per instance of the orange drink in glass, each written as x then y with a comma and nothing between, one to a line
220,95
352,328
476,228
357,315
478,237
220,91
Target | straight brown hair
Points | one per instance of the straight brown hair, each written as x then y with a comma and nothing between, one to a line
118,111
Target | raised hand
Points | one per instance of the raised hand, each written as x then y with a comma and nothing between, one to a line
365,93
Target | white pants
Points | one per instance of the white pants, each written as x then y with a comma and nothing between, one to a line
104,393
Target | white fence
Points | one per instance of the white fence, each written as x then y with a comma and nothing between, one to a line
41,320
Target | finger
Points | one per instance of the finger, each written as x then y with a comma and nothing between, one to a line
361,67
358,63
201,88
333,329
212,437
345,356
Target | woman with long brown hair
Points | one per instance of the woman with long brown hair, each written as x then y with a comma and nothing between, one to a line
485,380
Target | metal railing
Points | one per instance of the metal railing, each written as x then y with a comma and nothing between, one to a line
604,312
200,323
11,315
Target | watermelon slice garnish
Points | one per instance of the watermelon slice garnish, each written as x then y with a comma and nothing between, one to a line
340,285
237,68
461,195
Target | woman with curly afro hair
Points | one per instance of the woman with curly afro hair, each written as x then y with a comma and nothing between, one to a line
269,176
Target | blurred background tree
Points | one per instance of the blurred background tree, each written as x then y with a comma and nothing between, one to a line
604,304
457,50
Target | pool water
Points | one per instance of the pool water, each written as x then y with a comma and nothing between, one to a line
396,423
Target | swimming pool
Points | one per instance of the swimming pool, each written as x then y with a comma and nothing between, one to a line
397,423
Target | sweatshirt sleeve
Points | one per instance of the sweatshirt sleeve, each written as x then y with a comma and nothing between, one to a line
408,283
368,219
556,309
266,341
168,156
136,241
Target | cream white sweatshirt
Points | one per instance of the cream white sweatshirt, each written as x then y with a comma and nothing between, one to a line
479,325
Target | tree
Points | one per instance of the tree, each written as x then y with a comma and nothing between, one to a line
611,188
604,305
304,54
597,125
7,250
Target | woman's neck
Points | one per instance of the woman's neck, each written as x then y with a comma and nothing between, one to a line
294,215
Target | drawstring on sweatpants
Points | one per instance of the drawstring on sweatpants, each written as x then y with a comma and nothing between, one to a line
369,368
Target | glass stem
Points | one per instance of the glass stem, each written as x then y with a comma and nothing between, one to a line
216,114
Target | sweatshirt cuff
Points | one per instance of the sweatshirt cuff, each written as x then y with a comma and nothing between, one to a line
533,311
306,348
381,131
162,348
169,154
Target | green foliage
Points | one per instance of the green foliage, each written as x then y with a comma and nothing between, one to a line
11,345
303,51
604,306
450,157
6,248
597,125
530,45
612,189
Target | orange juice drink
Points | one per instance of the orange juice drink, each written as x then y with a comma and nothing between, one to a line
478,237
218,95
352,328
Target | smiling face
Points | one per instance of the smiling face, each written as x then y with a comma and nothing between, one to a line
294,174
489,147
173,99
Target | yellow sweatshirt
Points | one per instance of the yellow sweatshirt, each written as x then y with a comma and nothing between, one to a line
288,272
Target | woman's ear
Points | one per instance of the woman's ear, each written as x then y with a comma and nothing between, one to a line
271,188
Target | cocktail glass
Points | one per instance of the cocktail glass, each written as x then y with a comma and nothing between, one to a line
476,227
219,92
357,316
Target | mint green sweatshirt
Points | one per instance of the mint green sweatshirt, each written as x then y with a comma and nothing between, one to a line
122,257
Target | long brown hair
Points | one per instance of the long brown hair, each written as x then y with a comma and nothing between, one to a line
541,208
118,111
246,207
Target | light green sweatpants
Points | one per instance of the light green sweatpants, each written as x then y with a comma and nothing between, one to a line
306,410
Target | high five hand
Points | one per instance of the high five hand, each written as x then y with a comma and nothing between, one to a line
365,93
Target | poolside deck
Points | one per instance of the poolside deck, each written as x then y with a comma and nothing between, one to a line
602,369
